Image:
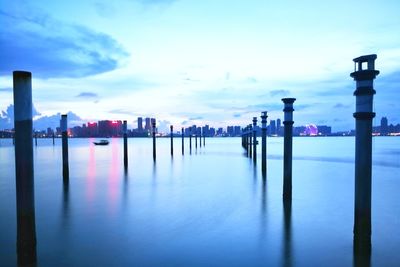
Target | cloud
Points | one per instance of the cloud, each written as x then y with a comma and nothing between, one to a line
87,95
53,121
196,118
279,93
237,115
6,90
341,105
50,48
121,111
7,117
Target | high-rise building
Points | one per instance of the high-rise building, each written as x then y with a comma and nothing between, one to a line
278,127
272,127
140,124
384,126
147,125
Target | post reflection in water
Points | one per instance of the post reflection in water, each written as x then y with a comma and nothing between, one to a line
65,203
263,220
114,175
287,234
361,255
26,239
91,172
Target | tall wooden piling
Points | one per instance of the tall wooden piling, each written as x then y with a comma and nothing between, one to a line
264,142
288,147
53,139
190,140
364,114
24,174
195,130
255,139
200,137
64,132
172,140
183,141
125,134
204,138
153,124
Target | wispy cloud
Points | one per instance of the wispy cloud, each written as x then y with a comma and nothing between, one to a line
51,48
279,92
6,89
87,95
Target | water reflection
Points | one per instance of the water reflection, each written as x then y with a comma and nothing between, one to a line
287,234
91,176
113,175
65,204
26,234
361,254
263,220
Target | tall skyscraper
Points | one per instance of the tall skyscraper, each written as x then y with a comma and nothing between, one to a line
384,126
278,127
147,125
140,124
272,127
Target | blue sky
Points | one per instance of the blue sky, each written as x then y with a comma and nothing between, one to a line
197,62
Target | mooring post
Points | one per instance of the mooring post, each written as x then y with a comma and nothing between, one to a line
255,139
183,141
53,139
26,229
190,139
64,132
251,141
204,139
195,131
172,140
264,142
288,147
364,114
153,124
200,136
125,133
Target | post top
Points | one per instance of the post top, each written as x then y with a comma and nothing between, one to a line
365,58
63,116
171,127
288,100
254,119
22,73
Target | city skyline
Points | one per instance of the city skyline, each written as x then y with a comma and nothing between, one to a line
199,63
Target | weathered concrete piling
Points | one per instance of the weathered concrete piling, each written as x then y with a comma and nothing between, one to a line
363,159
26,229
288,147
153,124
64,133
183,141
172,140
264,142
125,134
255,139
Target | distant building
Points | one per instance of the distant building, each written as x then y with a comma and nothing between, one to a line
272,127
230,131
220,131
384,126
147,125
92,129
278,127
324,130
140,124
237,131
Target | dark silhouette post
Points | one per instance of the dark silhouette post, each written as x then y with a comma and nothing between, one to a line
195,131
53,139
288,147
200,136
204,139
190,139
172,140
254,139
26,229
125,133
64,132
264,142
183,141
35,138
364,94
251,141
153,124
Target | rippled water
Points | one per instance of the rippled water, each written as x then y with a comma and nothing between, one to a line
207,208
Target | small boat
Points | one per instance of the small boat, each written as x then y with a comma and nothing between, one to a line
101,143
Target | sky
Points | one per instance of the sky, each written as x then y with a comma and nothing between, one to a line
217,62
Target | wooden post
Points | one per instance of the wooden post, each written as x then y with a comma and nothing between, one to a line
183,141
125,133
172,140
288,148
24,174
154,139
64,132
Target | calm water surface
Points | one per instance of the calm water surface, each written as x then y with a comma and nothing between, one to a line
207,208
